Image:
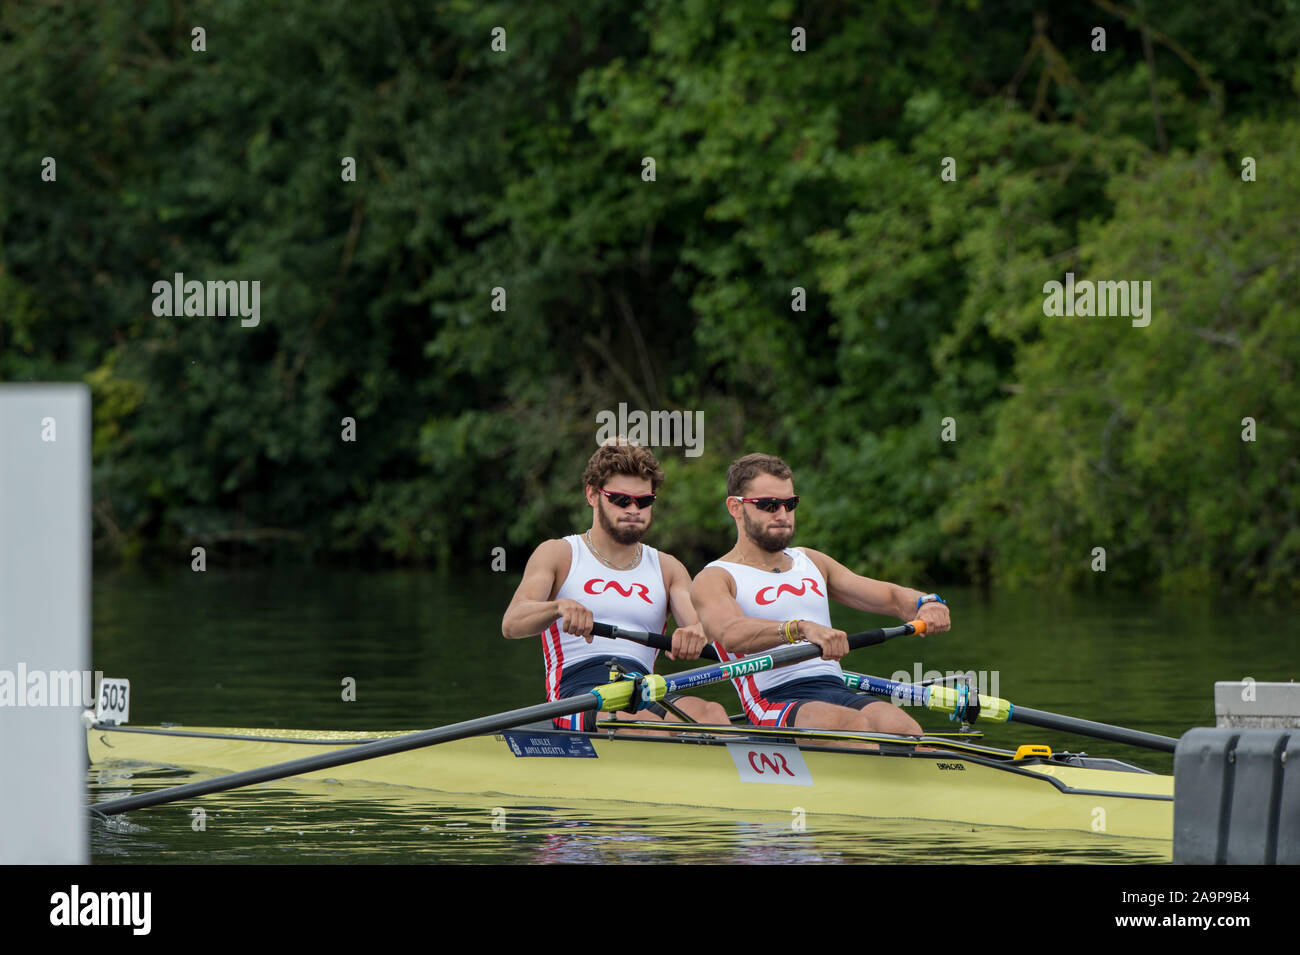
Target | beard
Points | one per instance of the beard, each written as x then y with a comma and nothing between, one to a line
772,541
623,533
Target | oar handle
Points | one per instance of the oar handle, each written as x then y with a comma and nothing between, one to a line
869,638
662,641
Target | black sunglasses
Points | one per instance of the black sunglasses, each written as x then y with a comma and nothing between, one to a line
771,504
623,500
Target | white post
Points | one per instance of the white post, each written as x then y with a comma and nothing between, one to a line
44,621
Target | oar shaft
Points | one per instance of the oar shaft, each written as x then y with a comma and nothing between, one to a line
1072,724
945,698
662,641
908,694
778,657
353,754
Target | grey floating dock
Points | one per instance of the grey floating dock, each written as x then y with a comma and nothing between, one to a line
1237,797
1249,704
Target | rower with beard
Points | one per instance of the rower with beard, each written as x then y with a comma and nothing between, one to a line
608,574
764,593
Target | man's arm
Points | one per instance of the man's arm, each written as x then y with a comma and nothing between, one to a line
678,581
714,598
532,610
688,638
877,596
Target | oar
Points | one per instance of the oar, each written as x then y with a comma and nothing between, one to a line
355,754
662,641
610,697
655,686
950,699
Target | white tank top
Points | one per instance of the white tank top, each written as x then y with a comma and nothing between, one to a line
635,599
798,593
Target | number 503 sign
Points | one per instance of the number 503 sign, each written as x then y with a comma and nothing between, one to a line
114,702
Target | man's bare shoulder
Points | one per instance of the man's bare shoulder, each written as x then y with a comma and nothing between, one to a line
823,561
714,576
551,553
811,552
672,565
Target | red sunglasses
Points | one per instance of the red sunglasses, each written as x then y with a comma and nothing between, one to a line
771,504
642,501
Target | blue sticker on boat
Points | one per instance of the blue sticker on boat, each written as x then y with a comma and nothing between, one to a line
550,744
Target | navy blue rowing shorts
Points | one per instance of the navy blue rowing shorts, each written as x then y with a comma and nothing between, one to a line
823,689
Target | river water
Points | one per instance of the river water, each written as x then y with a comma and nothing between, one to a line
273,648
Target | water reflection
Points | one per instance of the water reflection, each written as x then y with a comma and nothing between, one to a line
361,823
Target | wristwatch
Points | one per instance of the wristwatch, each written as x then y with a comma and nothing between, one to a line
929,599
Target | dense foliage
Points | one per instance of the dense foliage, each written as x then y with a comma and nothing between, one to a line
774,169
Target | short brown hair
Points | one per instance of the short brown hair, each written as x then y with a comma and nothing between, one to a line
743,470
630,459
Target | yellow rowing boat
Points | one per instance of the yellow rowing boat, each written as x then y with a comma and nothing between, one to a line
952,779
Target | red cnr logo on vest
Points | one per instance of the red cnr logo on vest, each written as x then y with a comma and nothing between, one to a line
787,589
639,589
773,762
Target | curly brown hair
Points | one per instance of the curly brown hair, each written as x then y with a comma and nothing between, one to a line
630,459
743,470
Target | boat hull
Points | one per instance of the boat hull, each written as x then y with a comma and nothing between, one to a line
734,773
